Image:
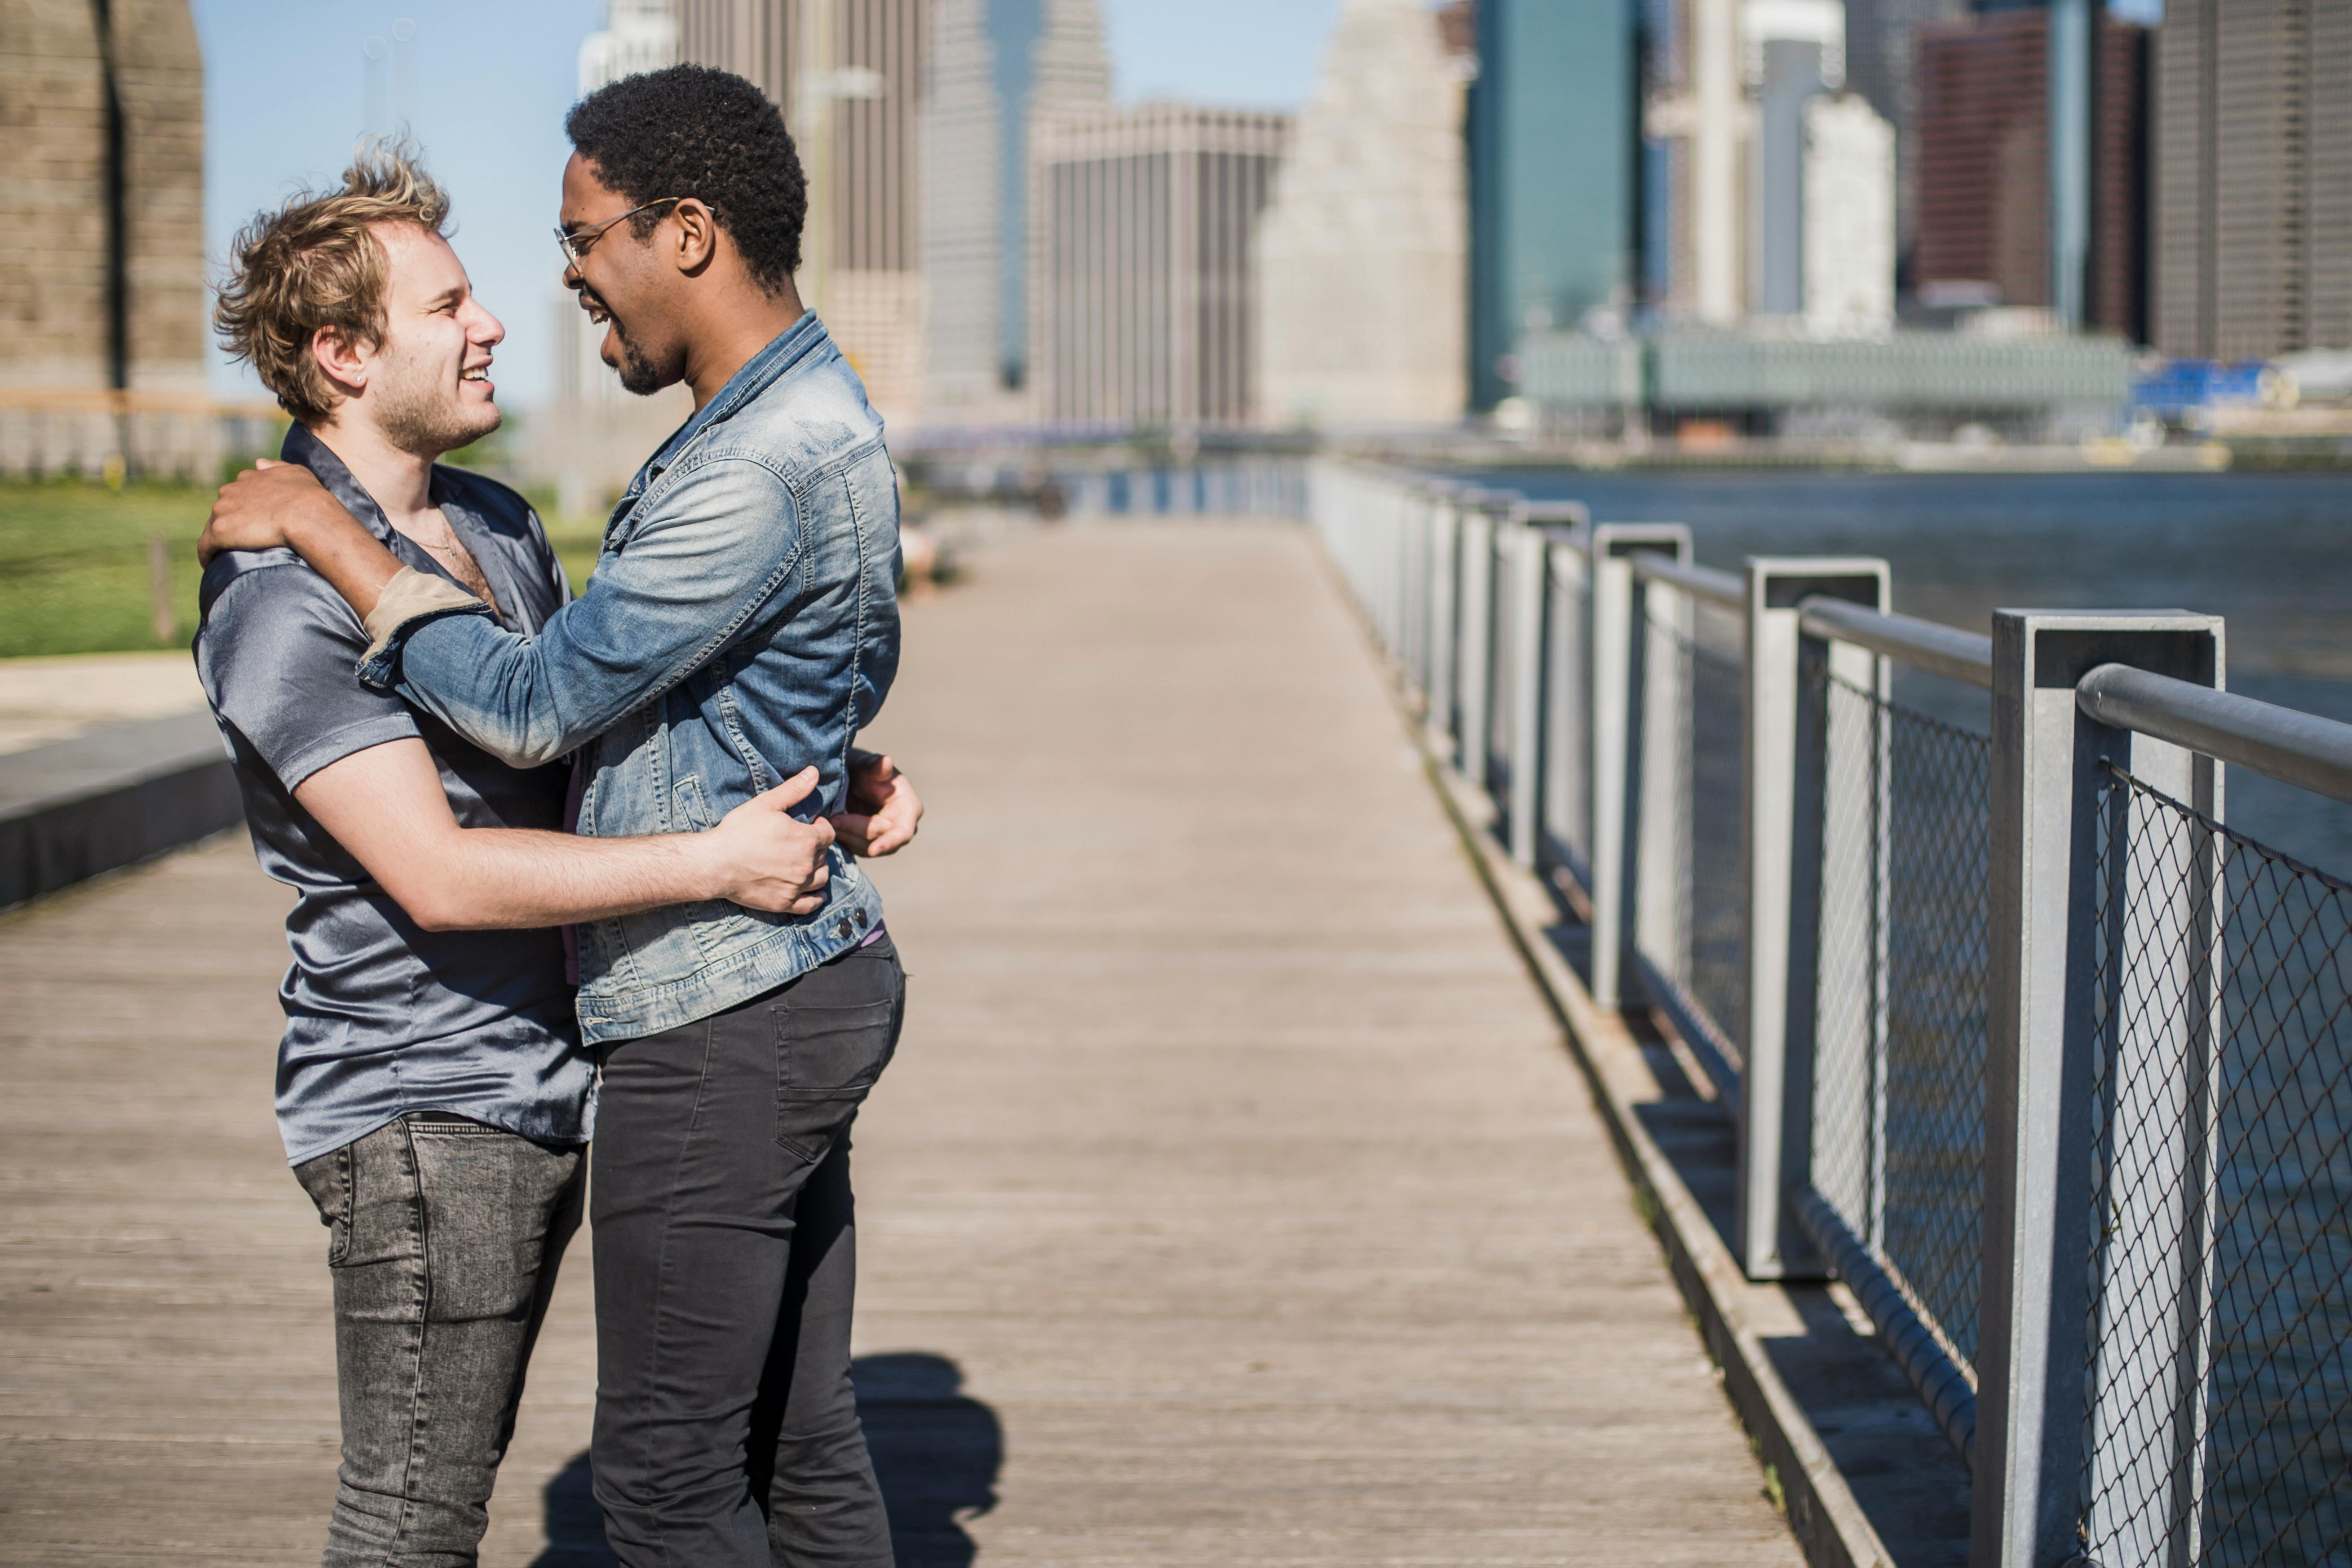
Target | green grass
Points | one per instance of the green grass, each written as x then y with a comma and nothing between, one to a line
73,563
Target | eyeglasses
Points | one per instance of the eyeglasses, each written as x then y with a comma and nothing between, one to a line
575,242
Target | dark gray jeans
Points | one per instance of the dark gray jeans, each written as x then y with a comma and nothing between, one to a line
446,1236
727,1432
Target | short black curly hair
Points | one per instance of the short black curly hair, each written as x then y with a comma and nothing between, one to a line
690,131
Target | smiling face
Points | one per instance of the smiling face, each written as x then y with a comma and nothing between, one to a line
622,284
428,384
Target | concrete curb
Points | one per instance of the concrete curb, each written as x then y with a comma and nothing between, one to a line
74,809
1830,1525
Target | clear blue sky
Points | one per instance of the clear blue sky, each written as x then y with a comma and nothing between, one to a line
483,86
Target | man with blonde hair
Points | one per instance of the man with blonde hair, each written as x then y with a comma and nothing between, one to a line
432,1088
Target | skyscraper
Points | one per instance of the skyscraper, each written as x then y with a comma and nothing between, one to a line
1882,51
998,67
1553,174
1847,287
1984,224
1141,271
638,36
849,76
2253,182
1361,256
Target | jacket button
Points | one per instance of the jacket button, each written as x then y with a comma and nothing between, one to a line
861,919
842,929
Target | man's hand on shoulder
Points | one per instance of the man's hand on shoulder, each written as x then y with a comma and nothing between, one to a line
763,857
265,506
884,810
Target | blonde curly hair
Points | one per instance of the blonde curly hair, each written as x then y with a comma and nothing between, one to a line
315,263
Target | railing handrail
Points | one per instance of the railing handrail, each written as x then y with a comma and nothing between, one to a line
1930,646
1699,582
2300,749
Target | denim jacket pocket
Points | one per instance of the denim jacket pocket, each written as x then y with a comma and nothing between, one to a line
828,1059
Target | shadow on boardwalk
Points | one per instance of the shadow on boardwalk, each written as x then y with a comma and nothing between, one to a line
936,1450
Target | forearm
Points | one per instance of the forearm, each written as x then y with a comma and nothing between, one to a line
353,561
516,879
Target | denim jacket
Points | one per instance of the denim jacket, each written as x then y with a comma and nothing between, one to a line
742,624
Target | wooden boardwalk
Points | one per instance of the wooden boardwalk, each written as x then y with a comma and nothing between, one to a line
1231,1200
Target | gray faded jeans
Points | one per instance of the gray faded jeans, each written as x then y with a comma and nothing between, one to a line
444,1239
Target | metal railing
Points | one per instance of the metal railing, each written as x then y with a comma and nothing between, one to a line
2052,1066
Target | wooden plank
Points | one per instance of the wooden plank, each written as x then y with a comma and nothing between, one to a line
1231,1201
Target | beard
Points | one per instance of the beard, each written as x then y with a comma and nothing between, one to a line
421,415
639,374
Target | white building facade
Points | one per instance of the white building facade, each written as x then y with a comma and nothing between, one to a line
1360,258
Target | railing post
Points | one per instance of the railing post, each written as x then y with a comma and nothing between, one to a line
1665,620
1530,572
1476,651
2032,1400
1444,619
1543,746
1614,702
1568,691
1783,766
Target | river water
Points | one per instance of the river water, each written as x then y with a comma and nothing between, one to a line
2270,551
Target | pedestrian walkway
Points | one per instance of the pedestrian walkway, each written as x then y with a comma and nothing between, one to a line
1231,1200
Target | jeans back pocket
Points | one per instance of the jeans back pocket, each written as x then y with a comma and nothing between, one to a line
828,1059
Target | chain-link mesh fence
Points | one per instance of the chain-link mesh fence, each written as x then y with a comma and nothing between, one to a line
2219,1361
1703,949
1899,1052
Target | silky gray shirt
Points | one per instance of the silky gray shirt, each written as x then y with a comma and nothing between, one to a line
382,1016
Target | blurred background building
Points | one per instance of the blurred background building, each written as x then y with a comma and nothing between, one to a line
1360,253
101,240
1553,177
2254,152
1142,278
999,68
1696,219
850,77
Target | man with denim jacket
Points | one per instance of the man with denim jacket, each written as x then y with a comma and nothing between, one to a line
742,624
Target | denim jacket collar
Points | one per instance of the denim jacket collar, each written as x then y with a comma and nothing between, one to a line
758,372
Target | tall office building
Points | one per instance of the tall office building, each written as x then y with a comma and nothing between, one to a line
1553,144
1795,52
1360,254
1984,197
850,77
1141,270
638,36
997,65
1694,165
1847,285
1882,52
2253,182
595,434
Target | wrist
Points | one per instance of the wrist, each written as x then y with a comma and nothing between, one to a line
711,872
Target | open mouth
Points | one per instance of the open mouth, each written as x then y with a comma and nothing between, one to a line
480,373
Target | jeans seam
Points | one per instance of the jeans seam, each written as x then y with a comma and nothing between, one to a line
417,1414
670,1229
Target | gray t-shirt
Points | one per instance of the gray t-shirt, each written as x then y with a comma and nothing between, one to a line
383,1017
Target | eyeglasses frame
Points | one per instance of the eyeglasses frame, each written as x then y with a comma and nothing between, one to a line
575,244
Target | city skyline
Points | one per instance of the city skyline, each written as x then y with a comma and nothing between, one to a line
483,91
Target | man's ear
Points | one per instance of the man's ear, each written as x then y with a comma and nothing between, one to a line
697,235
341,359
